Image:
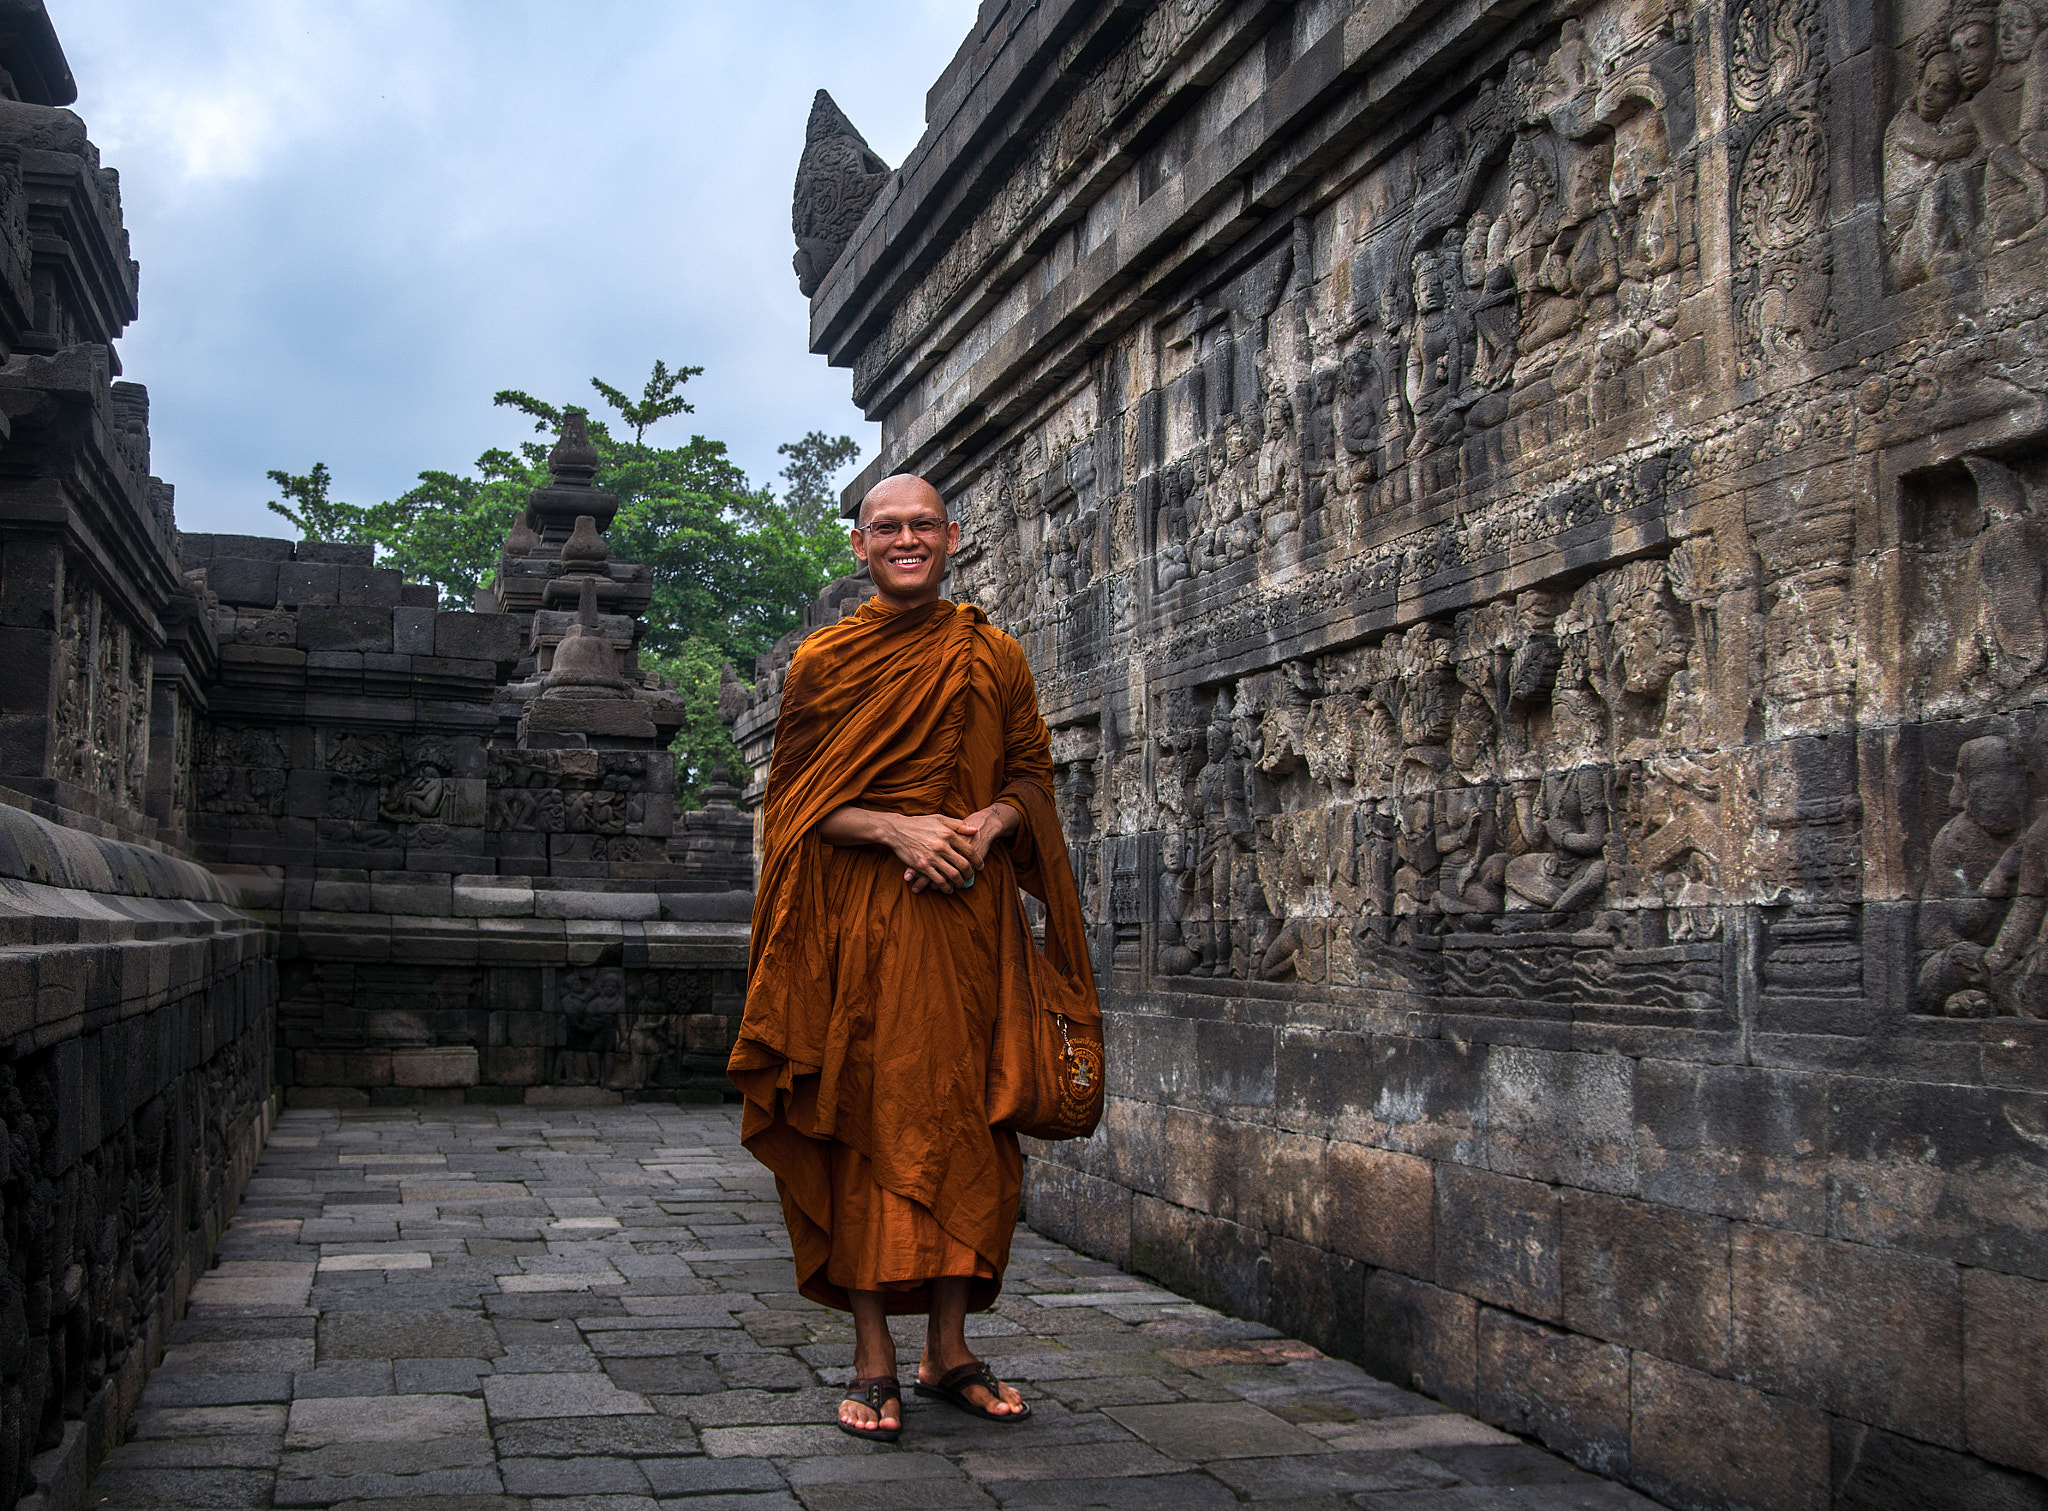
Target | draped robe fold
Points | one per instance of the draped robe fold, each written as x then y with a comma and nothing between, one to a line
863,1054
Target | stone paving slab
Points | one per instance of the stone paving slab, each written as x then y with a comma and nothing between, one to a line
592,1309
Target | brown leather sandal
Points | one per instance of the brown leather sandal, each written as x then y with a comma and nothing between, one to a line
953,1386
871,1393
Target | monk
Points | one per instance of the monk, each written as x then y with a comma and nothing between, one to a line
908,799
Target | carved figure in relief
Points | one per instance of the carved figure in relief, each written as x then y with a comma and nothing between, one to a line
1646,201
1227,840
1568,83
1984,886
1171,561
1279,483
1965,871
2008,574
1438,356
1416,866
1362,881
1583,265
1966,157
1471,864
1994,47
1929,215
1364,409
1570,813
1176,903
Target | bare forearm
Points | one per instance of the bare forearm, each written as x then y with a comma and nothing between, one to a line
850,826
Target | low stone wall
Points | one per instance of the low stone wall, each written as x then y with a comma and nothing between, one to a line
137,1009
418,989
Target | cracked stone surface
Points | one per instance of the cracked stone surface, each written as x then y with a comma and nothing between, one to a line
593,1310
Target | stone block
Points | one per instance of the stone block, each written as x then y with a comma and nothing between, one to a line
2005,1369
312,1067
477,637
707,907
345,629
244,582
1569,1392
1297,1198
412,631
609,718
306,585
370,587
336,552
1421,1336
510,1066
1497,1239
1873,1335
1211,1260
1649,1277
1881,1471
1948,1171
410,892
419,595
1700,1441
1317,1296
1382,1208
341,891
1418,1096
322,1422
1568,1119
571,1096
621,906
480,896
1234,1069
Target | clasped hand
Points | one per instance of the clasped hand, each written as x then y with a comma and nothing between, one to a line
936,849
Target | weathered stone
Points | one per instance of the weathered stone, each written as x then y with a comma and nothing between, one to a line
1648,1277
2005,1368
1568,1392
1761,1450
1815,1319
1497,1238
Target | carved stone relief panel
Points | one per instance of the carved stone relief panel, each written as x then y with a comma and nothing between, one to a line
1777,50
104,672
1975,620
1966,149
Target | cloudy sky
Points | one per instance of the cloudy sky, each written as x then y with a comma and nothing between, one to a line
358,219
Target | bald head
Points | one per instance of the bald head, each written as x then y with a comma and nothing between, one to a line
903,492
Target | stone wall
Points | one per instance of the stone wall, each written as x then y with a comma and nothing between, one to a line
137,1007
137,1002
1528,522
481,893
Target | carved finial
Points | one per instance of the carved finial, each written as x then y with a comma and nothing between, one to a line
524,539
586,601
837,180
585,551
574,460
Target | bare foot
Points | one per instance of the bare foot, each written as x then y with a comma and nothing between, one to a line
1006,1401
863,1418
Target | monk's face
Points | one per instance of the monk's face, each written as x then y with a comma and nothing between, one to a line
904,539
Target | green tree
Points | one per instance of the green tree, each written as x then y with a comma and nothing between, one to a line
317,516
658,400
733,564
704,745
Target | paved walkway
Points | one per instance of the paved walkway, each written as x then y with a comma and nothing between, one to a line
485,1310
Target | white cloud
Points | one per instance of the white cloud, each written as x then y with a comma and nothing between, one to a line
356,221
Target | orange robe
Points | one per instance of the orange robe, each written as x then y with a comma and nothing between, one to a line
864,1052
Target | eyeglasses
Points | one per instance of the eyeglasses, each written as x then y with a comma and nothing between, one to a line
923,529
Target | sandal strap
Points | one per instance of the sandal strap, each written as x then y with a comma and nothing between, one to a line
973,1372
872,1390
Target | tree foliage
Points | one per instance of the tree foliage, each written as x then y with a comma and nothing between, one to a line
733,564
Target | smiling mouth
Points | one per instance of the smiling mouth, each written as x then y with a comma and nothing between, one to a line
907,563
